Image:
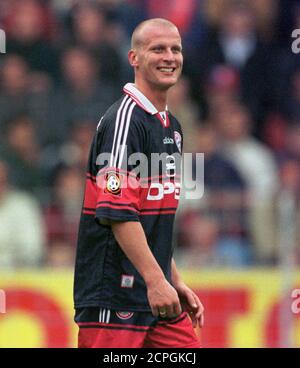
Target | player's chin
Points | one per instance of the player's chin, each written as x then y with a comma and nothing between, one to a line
167,83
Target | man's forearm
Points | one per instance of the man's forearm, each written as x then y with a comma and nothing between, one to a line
175,276
131,238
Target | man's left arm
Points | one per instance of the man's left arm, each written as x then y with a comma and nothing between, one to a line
189,300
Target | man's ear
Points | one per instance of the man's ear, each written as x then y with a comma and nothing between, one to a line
133,58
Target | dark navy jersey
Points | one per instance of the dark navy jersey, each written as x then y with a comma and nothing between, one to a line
133,175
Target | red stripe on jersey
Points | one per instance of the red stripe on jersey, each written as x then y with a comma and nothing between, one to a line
119,204
116,207
153,178
89,212
160,212
169,202
90,195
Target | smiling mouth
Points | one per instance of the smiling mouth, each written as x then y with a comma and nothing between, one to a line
166,69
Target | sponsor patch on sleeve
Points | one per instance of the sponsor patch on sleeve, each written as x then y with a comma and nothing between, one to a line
113,183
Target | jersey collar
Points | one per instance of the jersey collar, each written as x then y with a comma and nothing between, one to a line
131,90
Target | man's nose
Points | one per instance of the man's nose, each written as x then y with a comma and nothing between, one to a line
168,55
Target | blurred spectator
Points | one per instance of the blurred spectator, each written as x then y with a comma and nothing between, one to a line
291,101
48,114
184,109
265,12
285,65
177,12
224,200
289,163
206,247
128,13
289,160
21,226
236,43
257,165
62,213
29,25
74,150
222,86
219,173
60,255
90,29
81,97
288,19
22,152
19,95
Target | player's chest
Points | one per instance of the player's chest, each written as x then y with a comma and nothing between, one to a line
163,139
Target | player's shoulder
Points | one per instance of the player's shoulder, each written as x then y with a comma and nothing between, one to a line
124,110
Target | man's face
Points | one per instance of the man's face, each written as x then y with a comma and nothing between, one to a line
159,59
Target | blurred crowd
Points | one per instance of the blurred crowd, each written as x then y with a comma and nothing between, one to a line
238,102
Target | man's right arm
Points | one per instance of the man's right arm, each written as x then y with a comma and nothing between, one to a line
161,294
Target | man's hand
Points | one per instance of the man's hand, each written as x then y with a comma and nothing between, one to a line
191,303
162,296
163,299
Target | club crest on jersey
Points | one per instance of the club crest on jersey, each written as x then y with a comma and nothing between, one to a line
113,183
124,315
178,139
127,281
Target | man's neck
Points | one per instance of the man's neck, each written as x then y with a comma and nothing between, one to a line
157,97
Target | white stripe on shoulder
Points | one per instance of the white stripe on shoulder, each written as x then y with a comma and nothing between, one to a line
120,131
98,126
123,145
116,128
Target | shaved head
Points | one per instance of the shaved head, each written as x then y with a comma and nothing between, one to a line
139,35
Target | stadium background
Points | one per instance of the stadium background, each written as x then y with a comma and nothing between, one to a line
239,103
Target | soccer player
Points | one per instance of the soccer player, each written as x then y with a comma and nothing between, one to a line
127,290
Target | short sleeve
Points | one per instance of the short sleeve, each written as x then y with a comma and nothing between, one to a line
120,138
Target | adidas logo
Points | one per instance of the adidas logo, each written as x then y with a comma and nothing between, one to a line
168,140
